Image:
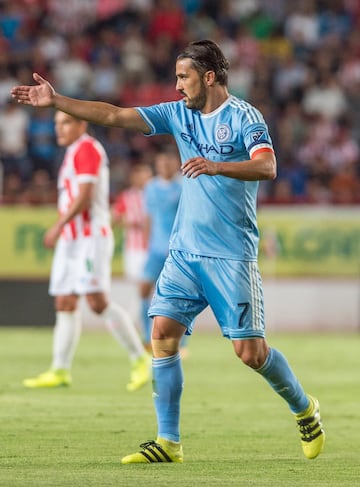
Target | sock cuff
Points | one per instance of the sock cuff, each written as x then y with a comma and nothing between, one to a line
68,317
268,362
75,312
166,361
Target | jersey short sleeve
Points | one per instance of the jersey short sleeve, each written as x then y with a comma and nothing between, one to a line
255,133
159,117
87,162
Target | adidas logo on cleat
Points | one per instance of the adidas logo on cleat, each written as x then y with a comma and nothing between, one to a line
160,451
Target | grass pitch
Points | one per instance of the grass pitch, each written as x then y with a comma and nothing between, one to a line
235,430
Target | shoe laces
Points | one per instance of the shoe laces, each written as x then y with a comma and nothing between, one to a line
148,443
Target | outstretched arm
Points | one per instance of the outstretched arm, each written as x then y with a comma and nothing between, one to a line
44,95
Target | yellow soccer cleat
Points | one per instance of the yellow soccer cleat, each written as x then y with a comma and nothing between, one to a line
50,378
140,373
159,451
311,430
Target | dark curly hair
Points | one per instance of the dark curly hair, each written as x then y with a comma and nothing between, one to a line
206,55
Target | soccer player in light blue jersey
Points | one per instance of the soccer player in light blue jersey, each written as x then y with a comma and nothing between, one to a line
225,150
161,199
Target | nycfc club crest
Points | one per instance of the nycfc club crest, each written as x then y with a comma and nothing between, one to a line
223,133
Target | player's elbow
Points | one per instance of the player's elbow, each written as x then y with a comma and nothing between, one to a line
266,166
270,169
272,172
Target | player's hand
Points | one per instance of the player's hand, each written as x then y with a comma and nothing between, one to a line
198,165
51,236
40,95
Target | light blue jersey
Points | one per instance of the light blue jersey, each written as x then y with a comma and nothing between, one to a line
216,215
161,198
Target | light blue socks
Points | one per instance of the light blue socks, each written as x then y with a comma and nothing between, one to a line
277,371
167,389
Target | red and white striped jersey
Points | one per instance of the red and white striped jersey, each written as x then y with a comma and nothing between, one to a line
130,206
85,161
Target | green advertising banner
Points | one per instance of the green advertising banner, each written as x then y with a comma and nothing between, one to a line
22,253
295,241
310,241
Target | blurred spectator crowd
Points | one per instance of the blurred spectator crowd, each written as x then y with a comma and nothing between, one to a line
297,61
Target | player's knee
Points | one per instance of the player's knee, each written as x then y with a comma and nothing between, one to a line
165,347
97,303
98,309
254,361
165,337
66,303
252,353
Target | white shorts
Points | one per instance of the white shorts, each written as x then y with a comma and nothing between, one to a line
134,261
82,267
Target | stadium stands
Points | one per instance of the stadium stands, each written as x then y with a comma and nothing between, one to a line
299,62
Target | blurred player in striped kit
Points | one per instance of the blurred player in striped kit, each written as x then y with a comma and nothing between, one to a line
83,242
128,211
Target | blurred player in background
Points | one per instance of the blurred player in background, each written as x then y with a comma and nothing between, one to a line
83,243
128,212
161,197
225,149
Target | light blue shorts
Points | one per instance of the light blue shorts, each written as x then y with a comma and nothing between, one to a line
233,289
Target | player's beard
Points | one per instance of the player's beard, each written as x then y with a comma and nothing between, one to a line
198,101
